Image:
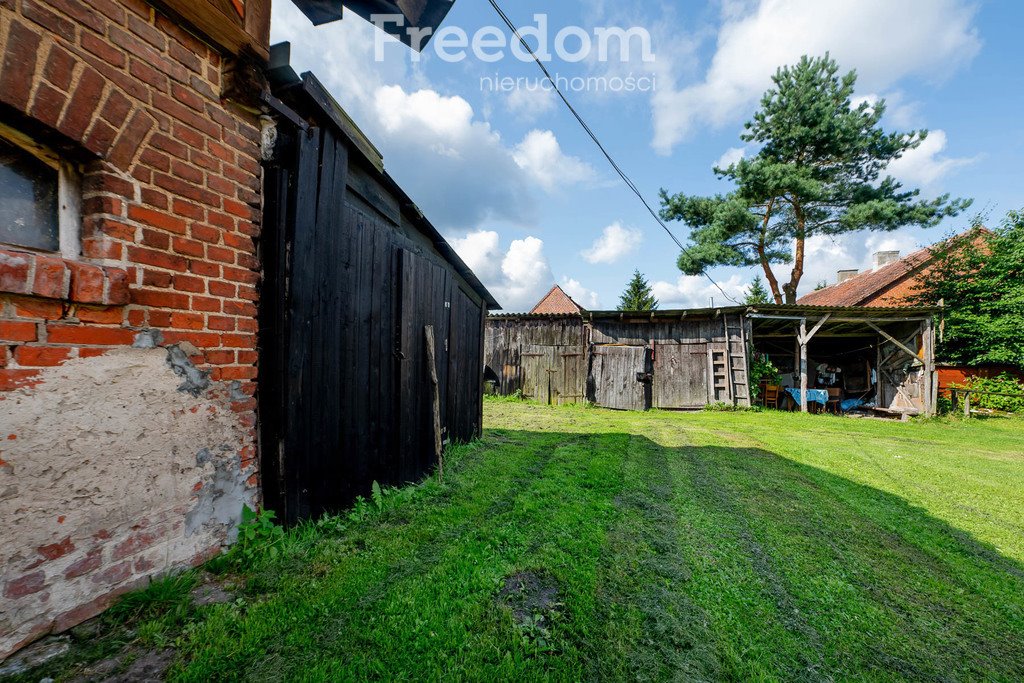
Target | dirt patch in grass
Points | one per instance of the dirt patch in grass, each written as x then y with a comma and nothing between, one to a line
145,667
530,594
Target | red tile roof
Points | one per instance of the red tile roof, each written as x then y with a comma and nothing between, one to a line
557,302
890,286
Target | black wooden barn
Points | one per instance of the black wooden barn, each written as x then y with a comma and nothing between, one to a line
689,359
356,278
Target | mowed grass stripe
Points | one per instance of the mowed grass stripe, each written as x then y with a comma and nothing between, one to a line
434,610
650,628
331,589
864,587
983,496
700,546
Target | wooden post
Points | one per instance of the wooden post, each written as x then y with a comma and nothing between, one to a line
803,365
967,404
435,399
878,375
930,400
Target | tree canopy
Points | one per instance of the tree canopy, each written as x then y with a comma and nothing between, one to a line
637,295
818,171
979,278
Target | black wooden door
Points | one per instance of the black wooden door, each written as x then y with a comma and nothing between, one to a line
304,312
425,299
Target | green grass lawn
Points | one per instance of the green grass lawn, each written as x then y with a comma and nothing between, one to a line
657,546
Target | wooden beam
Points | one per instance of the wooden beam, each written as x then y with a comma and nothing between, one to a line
897,351
435,400
840,319
915,319
219,22
824,335
814,330
878,377
895,341
930,401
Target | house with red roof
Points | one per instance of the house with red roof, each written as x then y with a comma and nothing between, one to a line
891,283
556,302
894,282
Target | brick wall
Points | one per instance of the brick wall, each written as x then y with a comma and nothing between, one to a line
170,209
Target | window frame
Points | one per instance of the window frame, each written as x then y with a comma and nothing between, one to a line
69,193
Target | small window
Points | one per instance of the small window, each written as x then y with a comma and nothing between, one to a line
39,197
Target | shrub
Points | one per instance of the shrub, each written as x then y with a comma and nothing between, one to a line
1003,384
761,368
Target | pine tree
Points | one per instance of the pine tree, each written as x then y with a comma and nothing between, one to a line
637,295
820,170
757,293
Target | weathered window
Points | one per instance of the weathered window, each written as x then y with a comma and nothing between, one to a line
39,197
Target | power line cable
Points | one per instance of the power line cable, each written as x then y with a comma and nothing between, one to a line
593,136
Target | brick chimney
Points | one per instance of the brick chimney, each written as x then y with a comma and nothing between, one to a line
884,258
844,275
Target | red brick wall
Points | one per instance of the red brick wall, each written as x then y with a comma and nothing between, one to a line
170,209
170,206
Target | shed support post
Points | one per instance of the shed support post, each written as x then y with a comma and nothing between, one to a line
928,333
803,365
878,374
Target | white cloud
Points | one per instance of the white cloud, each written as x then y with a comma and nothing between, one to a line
883,40
584,297
732,156
696,291
926,165
528,104
454,165
481,252
614,243
899,112
540,155
518,277
826,255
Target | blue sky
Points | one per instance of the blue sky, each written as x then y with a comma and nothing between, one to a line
526,198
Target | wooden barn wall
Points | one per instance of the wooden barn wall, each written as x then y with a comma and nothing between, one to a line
629,365
546,360
685,331
349,287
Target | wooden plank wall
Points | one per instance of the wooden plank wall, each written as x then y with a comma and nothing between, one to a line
349,287
560,341
613,377
517,348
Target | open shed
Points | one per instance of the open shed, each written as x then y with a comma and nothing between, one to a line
884,357
880,358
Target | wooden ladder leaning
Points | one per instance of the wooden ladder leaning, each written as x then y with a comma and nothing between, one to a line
729,367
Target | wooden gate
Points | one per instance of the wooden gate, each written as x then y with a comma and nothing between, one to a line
619,377
680,375
552,374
